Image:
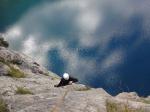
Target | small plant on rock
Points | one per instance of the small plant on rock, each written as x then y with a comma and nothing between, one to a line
3,106
119,107
86,88
21,90
14,72
144,100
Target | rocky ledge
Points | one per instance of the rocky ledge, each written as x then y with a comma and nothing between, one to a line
25,86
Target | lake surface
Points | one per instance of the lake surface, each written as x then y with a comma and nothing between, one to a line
104,44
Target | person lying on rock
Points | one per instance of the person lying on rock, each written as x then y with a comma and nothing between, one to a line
66,80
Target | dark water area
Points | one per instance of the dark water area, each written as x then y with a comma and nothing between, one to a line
12,10
132,74
135,73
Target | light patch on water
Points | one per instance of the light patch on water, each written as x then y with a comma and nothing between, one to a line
90,22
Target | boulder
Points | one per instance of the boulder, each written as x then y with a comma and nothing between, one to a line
3,43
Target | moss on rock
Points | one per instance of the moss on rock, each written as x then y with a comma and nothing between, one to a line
15,72
3,106
21,90
112,106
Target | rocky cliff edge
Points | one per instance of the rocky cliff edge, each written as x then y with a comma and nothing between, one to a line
26,86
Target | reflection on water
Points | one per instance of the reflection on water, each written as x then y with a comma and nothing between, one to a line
104,44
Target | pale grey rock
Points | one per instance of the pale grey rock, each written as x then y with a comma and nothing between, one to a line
3,69
47,98
24,62
129,96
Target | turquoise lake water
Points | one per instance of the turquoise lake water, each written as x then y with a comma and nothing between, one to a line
122,65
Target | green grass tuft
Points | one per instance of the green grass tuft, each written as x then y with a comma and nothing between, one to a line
111,107
145,100
3,106
21,90
86,88
14,72
114,107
